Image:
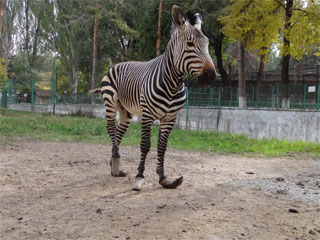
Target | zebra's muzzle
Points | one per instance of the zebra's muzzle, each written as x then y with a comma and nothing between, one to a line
207,77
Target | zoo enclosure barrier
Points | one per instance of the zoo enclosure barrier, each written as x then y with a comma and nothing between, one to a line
301,97
303,89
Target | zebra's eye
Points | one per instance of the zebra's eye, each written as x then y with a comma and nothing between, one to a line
190,44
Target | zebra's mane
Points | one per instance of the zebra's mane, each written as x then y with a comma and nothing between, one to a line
191,16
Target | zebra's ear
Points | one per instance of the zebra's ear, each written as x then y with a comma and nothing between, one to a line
177,16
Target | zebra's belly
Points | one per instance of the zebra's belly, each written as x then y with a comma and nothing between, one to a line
134,109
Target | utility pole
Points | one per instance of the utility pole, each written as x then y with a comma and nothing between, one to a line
95,44
159,28
54,87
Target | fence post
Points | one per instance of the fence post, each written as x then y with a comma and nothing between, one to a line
187,106
10,91
272,97
304,95
4,96
211,96
252,97
194,97
318,98
237,98
318,73
231,93
219,102
318,84
32,91
53,88
277,97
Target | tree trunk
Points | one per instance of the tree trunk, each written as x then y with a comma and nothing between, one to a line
6,32
26,44
94,60
286,56
159,29
217,45
242,81
2,54
74,81
74,78
35,43
1,17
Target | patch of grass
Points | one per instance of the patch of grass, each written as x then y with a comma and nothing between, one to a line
17,124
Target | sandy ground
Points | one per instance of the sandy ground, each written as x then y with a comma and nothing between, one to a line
58,190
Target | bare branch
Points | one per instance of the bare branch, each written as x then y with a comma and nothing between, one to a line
306,12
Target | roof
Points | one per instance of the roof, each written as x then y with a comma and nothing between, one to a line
43,93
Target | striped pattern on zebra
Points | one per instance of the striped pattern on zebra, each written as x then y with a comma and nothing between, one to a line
155,90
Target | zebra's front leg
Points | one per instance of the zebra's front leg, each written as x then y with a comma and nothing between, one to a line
164,132
146,126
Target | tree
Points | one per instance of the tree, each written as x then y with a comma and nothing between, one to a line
211,11
292,25
7,28
66,9
1,17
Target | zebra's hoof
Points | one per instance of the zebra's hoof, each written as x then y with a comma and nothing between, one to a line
171,182
138,184
115,165
120,174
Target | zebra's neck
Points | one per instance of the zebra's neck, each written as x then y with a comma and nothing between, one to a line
172,78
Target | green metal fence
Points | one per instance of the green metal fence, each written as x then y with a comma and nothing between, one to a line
301,97
269,95
4,99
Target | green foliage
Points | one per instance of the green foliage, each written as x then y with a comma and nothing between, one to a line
304,34
23,74
255,23
63,84
258,24
127,30
3,74
15,124
146,22
211,11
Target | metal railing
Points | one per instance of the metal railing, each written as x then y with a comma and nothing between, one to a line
303,90
300,96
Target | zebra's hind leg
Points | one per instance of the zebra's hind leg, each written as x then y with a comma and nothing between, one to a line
124,123
112,131
144,148
164,132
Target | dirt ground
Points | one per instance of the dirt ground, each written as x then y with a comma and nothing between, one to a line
60,190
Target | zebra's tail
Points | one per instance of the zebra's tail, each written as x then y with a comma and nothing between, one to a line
93,91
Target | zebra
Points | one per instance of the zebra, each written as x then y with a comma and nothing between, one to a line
155,90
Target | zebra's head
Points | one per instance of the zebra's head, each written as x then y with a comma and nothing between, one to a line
191,52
